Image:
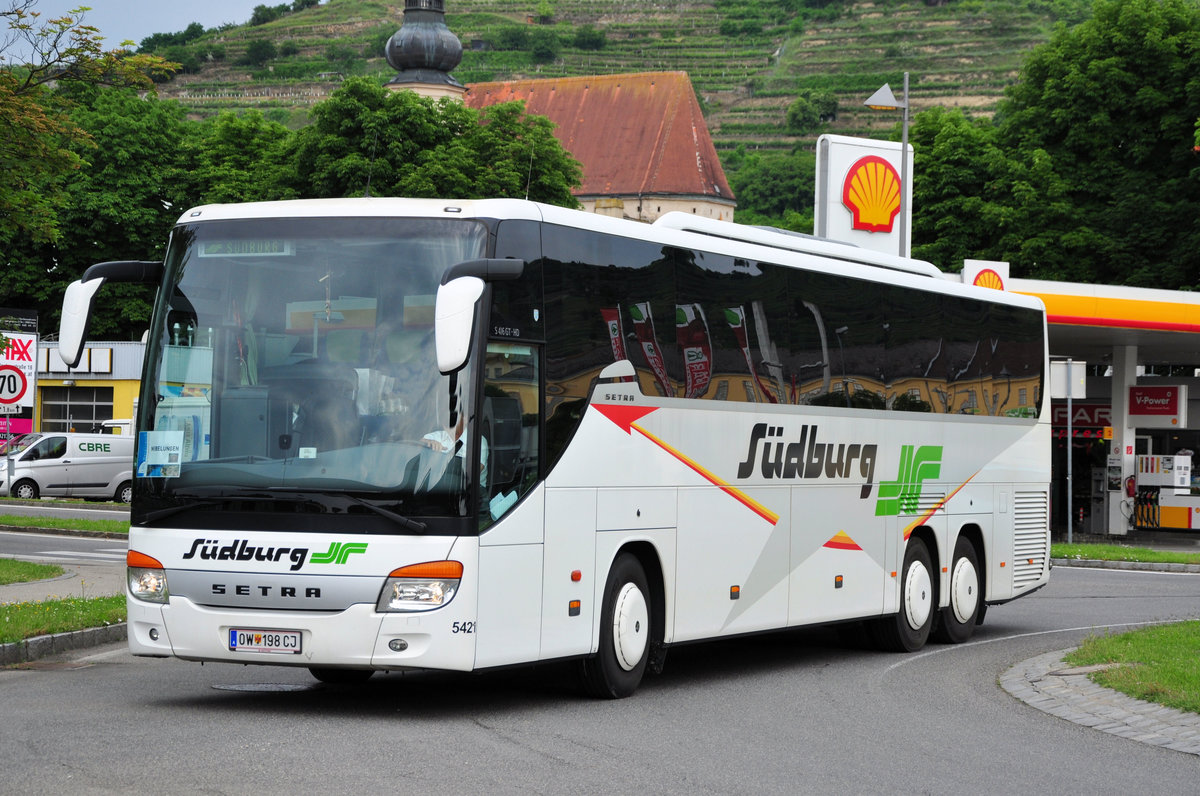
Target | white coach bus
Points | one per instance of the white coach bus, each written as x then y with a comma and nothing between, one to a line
386,434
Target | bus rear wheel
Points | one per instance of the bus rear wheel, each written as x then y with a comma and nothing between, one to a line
956,622
341,676
616,670
908,630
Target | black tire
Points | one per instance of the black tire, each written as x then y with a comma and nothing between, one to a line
341,676
124,493
908,630
24,490
616,670
957,621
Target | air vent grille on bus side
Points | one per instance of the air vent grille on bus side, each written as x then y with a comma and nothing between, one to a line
1030,539
929,503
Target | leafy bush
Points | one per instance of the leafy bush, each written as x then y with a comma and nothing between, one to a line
258,52
544,45
510,37
264,14
589,37
186,57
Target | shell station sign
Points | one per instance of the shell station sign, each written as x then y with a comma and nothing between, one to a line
859,187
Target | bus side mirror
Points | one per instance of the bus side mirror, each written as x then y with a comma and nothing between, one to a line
454,311
77,301
76,314
454,320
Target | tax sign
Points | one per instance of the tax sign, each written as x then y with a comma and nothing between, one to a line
18,371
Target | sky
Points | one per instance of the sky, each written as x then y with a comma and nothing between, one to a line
119,20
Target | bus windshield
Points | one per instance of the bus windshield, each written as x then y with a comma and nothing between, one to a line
292,373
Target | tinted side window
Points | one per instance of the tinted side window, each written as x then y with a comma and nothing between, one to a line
517,312
607,298
839,344
732,328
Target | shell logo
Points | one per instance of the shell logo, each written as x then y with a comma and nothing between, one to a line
871,192
989,278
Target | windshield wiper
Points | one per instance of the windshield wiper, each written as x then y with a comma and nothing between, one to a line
200,500
404,522
159,514
282,495
399,519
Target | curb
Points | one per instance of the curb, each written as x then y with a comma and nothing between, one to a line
1140,566
32,649
64,532
116,508
1047,683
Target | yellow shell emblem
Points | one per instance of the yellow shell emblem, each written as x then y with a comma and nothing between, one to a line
989,278
871,192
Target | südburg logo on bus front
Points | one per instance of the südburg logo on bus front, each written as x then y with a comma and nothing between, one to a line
871,192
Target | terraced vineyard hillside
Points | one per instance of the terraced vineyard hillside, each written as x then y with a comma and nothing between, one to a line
747,59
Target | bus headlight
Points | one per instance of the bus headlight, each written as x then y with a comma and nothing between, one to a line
420,587
147,577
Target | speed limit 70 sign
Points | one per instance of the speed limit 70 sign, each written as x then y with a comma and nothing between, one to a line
18,372
13,384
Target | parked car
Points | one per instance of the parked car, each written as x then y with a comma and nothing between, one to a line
69,465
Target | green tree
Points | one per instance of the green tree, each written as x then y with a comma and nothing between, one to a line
544,45
973,198
232,158
589,37
774,189
802,116
510,37
810,110
262,14
118,205
258,52
1106,108
39,144
366,139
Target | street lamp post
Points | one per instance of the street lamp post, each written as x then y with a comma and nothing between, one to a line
885,100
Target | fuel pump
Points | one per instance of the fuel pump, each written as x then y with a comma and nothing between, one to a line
1154,474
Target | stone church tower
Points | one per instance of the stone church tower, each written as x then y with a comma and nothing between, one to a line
424,51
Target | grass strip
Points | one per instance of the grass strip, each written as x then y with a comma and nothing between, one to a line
1116,552
65,523
12,571
19,621
1156,664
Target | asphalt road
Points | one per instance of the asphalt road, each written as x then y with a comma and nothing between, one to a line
798,712
46,548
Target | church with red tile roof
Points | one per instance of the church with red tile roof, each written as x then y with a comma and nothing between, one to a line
641,138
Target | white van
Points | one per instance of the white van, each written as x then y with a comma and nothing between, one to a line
69,465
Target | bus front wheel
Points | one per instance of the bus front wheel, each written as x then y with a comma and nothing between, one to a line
908,630
616,670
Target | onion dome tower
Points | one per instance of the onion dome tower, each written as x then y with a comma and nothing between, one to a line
424,51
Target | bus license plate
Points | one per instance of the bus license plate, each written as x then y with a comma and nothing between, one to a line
243,639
